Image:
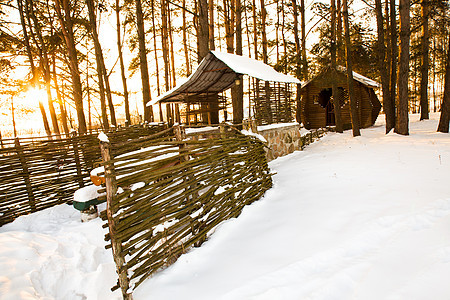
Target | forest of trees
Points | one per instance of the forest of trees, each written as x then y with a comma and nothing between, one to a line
62,44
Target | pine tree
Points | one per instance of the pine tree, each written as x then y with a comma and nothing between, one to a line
403,71
351,92
382,65
445,108
424,107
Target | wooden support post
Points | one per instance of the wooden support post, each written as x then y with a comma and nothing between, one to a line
26,175
209,113
188,113
76,154
111,210
177,113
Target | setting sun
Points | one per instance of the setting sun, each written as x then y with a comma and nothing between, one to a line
32,96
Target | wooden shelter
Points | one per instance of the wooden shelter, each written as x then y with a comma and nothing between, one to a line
202,91
317,108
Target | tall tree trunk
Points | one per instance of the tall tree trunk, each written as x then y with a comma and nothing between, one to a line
334,88
228,7
283,35
340,44
161,115
98,59
296,40
434,74
176,110
185,42
146,96
255,31
165,49
303,41
265,58
122,65
165,44
211,25
203,29
247,32
425,45
403,69
445,107
112,112
351,92
66,23
51,107
381,51
277,27
263,32
158,90
88,93
238,90
60,100
390,118
172,53
388,54
298,56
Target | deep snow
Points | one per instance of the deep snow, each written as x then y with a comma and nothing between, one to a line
347,218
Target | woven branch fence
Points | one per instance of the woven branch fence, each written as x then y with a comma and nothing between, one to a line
171,194
37,173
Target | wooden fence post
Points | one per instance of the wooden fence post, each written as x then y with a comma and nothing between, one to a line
111,209
77,160
26,175
179,132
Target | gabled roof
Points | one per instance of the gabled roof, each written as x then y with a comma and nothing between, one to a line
358,77
217,72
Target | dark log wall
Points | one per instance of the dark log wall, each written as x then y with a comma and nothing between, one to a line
314,115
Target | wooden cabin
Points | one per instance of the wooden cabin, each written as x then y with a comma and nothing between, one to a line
317,109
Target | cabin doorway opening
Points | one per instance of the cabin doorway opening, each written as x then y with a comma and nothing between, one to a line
325,101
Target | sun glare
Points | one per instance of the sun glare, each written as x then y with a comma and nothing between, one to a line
33,96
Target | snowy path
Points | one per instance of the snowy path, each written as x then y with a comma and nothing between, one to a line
348,218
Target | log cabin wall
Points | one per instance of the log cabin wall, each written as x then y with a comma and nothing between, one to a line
314,111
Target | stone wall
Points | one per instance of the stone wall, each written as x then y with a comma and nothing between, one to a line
285,138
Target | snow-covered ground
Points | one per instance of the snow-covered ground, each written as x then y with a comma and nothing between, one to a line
347,218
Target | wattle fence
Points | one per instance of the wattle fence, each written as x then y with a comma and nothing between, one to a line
166,190
37,173
171,194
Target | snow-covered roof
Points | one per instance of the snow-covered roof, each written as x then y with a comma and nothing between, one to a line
253,68
360,78
356,76
217,72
